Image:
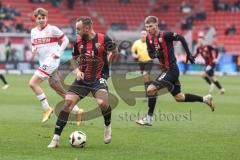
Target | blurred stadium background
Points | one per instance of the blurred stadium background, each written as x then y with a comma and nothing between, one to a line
123,19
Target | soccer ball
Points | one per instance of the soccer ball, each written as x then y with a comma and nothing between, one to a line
78,139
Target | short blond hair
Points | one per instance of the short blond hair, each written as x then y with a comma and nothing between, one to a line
151,19
40,11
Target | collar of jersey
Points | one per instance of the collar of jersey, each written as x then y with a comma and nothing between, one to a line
43,27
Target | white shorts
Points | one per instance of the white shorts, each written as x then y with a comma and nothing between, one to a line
47,69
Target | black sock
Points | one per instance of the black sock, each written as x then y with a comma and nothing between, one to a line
217,84
146,84
3,79
193,98
61,122
208,80
107,116
151,104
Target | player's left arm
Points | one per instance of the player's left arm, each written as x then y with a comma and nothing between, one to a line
177,37
134,50
63,38
214,52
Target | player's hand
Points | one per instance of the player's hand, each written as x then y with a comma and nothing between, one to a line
79,75
34,50
191,59
55,56
135,56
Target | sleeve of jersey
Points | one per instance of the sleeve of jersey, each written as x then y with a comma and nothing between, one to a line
107,41
150,50
133,49
75,52
213,49
176,37
197,53
57,33
32,42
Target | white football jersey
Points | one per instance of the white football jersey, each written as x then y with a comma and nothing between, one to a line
45,42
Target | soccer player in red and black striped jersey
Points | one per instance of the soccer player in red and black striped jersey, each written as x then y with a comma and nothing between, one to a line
210,55
160,46
91,53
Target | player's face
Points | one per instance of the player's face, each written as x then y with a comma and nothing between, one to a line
41,21
143,36
82,30
151,28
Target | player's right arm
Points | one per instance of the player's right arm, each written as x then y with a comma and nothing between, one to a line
151,51
197,53
75,65
63,38
177,37
214,52
34,48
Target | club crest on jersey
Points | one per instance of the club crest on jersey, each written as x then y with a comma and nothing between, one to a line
97,45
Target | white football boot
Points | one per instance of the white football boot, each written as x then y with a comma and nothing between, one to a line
54,143
208,99
107,134
145,121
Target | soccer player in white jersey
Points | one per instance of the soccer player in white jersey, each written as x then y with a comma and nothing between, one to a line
45,39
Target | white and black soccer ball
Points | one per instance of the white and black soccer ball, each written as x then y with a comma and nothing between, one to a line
78,139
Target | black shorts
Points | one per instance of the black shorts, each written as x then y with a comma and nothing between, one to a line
145,66
169,80
82,88
209,71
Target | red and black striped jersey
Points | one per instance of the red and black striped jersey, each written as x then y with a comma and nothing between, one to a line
91,56
208,53
163,46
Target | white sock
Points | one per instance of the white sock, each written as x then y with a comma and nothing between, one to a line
149,118
205,99
75,109
42,98
56,137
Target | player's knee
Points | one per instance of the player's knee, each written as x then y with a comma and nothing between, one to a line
102,103
179,97
214,79
68,105
151,91
203,75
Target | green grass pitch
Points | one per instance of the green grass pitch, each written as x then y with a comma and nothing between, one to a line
198,134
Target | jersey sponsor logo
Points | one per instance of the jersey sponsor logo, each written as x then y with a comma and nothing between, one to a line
45,40
160,40
97,45
41,40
